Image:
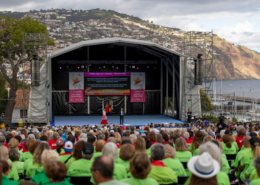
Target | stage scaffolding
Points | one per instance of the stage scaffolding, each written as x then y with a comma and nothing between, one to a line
198,71
39,41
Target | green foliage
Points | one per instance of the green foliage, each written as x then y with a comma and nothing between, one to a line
211,118
205,101
3,94
234,120
21,85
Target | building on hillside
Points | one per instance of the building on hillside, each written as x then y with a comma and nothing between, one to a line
21,106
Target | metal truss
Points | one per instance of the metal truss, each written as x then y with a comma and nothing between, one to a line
195,43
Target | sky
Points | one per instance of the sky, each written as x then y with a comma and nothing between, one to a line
238,21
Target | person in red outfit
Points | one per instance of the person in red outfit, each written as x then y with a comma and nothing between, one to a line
240,136
53,141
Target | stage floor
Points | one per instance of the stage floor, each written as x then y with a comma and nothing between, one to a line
114,119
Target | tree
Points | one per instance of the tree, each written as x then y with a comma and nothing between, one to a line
205,101
11,35
3,94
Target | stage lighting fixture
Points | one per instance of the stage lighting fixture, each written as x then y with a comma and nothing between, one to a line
129,66
148,67
137,68
104,66
116,67
126,65
154,68
133,67
60,67
86,66
78,67
113,66
99,67
82,66
67,66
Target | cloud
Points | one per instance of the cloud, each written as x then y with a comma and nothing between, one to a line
225,17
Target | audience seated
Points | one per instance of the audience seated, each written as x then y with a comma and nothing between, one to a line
4,172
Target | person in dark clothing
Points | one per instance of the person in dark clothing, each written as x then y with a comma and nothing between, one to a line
221,125
121,116
189,114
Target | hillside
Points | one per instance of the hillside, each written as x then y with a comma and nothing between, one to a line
67,27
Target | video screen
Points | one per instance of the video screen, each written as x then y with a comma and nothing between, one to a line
107,83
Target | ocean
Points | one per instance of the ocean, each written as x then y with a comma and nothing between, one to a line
251,88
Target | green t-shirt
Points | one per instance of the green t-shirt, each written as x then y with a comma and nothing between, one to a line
33,168
41,179
148,151
192,148
183,156
126,164
134,181
113,182
61,151
25,164
65,182
19,166
176,166
245,161
71,160
21,156
163,175
242,148
231,150
63,158
255,182
254,175
222,179
27,155
250,168
80,168
225,164
13,173
6,181
235,144
196,152
118,174
97,154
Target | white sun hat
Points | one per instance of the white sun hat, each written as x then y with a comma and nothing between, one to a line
203,166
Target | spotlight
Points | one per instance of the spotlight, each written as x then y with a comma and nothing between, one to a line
78,67
126,65
133,67
154,68
104,66
116,67
82,66
113,66
86,66
99,67
67,66
60,67
129,66
137,68
148,67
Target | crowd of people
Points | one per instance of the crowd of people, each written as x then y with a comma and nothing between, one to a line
128,155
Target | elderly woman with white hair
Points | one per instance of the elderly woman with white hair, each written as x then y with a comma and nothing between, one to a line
215,153
173,163
48,156
110,149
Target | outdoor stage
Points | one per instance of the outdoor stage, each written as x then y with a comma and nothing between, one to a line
113,119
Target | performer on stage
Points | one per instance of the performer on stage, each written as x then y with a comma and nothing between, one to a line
122,116
104,117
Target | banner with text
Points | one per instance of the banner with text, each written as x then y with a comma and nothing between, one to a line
138,87
76,87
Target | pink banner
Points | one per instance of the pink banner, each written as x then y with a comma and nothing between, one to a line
137,95
106,74
76,96
137,87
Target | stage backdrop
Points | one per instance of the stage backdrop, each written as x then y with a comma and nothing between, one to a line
137,87
76,87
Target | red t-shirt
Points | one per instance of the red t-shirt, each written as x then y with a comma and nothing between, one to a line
21,147
118,145
165,142
188,141
239,141
6,145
